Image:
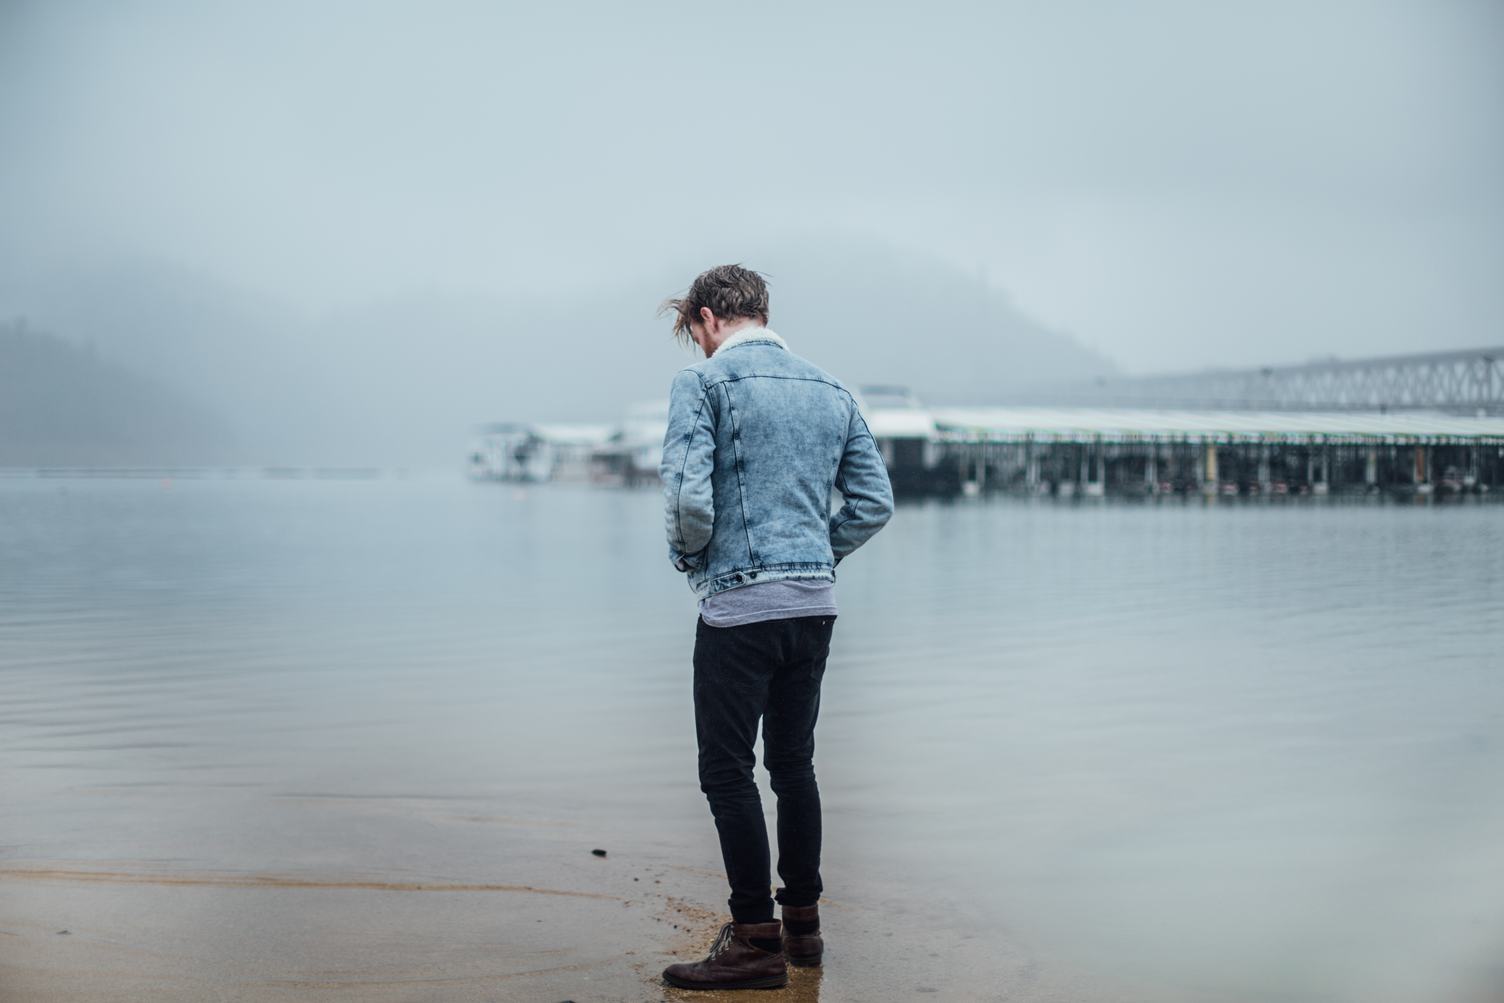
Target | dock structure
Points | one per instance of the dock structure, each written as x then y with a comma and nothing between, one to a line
1409,425
623,453
533,452
1144,451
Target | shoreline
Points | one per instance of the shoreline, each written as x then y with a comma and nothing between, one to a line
100,931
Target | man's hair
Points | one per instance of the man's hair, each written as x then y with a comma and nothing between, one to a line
730,291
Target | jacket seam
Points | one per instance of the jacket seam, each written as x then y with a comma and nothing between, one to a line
719,380
817,571
736,449
679,492
865,429
841,481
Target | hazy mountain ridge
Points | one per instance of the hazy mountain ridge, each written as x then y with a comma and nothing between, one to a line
402,381
62,404
877,314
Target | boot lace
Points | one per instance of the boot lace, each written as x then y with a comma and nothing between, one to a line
722,940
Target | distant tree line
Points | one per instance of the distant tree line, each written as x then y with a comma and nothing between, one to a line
62,404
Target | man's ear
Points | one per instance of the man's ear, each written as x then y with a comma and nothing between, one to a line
708,319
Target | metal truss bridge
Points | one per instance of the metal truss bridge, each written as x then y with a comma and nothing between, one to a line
1461,382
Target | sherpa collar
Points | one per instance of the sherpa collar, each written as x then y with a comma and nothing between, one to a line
748,334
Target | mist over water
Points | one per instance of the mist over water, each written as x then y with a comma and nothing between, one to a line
1200,752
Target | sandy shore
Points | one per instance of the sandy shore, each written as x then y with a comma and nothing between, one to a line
579,927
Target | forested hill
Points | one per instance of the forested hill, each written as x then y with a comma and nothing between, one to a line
61,404
399,378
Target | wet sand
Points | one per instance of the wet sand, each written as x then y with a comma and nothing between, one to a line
548,920
129,936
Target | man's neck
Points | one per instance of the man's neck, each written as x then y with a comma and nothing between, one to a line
726,330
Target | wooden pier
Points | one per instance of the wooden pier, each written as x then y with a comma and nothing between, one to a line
1141,451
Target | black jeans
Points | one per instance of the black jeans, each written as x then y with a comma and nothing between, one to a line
769,670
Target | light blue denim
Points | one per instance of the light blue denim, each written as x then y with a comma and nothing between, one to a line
757,440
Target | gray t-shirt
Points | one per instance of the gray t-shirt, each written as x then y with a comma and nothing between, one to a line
777,600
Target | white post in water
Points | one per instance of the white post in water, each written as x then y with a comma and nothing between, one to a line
1209,469
1371,467
1151,469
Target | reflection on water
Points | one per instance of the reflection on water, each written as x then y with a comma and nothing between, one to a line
1242,752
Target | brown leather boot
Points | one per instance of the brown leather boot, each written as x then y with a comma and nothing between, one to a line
734,961
803,949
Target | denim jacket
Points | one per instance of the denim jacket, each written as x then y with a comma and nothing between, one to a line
757,438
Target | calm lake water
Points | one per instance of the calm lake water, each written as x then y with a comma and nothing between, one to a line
1226,752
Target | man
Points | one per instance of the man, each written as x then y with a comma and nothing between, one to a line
757,439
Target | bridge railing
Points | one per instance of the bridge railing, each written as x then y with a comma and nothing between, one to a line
1464,382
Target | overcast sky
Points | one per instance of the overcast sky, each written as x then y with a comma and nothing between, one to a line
1175,184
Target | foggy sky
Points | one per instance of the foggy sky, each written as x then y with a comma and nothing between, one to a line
1175,185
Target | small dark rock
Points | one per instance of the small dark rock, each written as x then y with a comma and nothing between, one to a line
599,853
60,932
